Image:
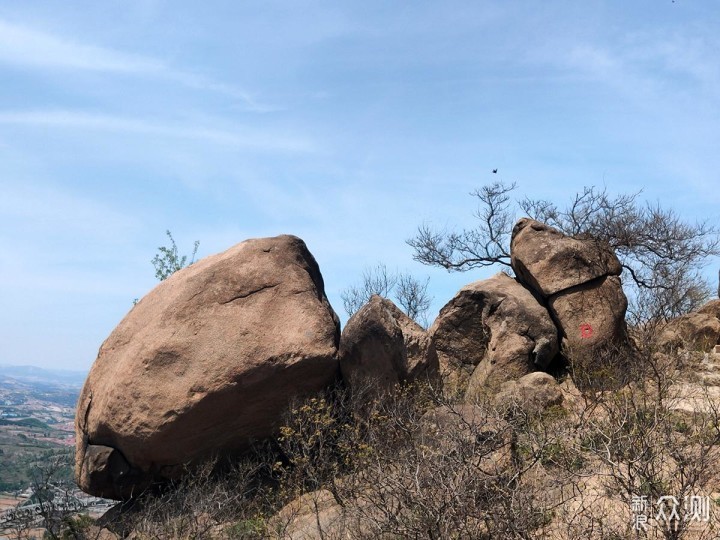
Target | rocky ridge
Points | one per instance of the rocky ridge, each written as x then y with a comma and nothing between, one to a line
208,361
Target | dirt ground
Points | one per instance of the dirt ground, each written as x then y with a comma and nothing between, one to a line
7,502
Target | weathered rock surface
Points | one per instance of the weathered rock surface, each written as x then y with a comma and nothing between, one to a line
204,364
696,331
533,392
461,427
711,308
592,314
313,516
699,330
578,278
381,346
548,261
465,420
498,324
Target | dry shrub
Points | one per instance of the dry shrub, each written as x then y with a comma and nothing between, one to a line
411,463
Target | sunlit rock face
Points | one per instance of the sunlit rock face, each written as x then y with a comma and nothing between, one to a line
204,364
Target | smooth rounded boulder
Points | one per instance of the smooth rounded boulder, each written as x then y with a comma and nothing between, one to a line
533,393
496,326
205,364
381,346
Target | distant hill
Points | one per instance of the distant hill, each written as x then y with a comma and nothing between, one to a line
33,374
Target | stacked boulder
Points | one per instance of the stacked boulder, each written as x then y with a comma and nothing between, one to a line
577,279
567,292
205,364
210,359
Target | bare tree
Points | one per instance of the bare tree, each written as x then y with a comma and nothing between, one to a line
376,280
413,297
659,250
486,245
53,506
410,293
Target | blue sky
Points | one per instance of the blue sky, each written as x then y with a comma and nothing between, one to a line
345,123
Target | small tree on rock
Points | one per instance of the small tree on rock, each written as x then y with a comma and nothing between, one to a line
168,261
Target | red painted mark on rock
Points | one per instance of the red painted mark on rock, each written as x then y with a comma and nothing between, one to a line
586,331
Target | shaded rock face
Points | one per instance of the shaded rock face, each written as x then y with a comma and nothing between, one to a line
579,281
381,346
204,364
497,325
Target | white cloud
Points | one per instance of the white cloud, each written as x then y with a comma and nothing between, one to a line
27,47
241,137
647,63
51,210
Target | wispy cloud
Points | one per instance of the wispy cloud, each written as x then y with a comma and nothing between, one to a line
24,46
241,137
647,62
27,47
49,210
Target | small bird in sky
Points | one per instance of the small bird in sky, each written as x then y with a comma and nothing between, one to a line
494,171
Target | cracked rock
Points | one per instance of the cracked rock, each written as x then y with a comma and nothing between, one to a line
579,281
493,330
548,261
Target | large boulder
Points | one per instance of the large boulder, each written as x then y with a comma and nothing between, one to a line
548,261
205,364
497,324
711,308
381,346
578,279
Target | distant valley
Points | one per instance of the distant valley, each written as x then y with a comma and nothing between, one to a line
37,410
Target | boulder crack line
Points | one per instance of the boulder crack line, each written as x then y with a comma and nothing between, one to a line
250,293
